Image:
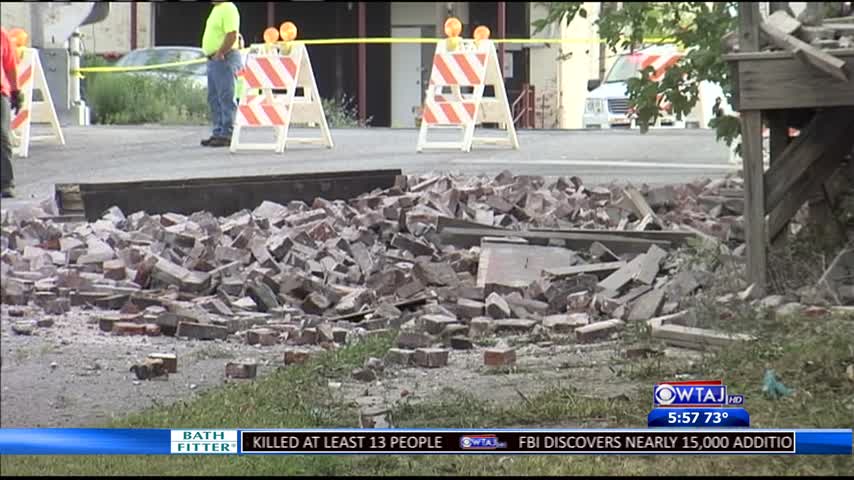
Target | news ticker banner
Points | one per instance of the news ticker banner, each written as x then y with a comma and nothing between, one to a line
654,441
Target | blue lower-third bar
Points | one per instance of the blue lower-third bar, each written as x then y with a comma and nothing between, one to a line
84,441
823,442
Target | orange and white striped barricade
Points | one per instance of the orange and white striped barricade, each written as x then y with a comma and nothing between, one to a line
31,79
472,64
269,68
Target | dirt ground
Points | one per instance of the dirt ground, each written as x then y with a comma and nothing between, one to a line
72,374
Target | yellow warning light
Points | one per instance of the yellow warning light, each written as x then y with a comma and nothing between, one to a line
271,35
19,37
453,27
481,33
288,31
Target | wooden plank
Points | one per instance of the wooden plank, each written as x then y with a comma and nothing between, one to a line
780,55
838,273
782,82
619,279
675,237
784,22
692,337
843,20
466,238
839,28
823,61
223,196
754,198
639,202
779,129
828,127
801,191
593,268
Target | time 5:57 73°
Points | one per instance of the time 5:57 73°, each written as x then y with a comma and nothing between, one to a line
693,417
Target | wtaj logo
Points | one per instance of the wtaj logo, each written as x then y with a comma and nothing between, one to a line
696,393
481,442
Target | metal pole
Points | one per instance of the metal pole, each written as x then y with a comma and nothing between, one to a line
502,33
271,14
133,25
361,60
78,106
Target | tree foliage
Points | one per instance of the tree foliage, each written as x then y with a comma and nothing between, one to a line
698,27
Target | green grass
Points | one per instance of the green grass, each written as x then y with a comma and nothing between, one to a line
810,356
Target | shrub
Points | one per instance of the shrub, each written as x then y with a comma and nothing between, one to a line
342,112
134,98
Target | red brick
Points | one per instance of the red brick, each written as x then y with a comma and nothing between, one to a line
152,329
431,357
292,357
499,357
241,369
170,360
127,328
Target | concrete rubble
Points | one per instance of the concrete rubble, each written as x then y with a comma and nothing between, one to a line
555,257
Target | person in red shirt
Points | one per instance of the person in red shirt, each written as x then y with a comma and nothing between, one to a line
10,99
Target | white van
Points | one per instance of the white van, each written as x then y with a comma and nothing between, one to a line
607,104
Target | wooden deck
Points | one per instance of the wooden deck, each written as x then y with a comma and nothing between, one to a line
782,88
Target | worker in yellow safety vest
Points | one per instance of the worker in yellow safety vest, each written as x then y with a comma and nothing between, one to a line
221,47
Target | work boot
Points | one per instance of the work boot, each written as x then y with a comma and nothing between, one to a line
207,142
220,142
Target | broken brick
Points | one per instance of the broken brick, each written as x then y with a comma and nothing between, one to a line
200,331
126,328
412,340
598,330
431,357
434,324
170,360
262,336
469,309
316,303
499,357
497,307
296,357
400,356
243,370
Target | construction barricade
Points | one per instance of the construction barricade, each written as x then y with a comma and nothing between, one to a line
31,80
278,72
469,64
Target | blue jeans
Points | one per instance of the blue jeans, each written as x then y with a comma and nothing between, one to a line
221,78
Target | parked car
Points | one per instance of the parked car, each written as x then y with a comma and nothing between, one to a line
197,72
607,104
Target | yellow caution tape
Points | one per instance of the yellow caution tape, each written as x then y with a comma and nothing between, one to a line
347,41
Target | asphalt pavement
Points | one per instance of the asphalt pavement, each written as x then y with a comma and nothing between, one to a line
132,153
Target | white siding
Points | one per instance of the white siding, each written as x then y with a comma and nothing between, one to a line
110,35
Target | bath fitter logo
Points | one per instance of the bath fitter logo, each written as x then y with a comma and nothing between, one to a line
204,442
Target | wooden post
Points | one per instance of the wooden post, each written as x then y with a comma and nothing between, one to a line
502,34
134,25
751,144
